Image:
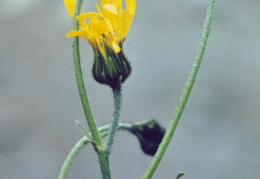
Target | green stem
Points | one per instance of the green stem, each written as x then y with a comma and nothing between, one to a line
71,155
123,126
103,133
117,107
80,82
104,164
104,155
185,95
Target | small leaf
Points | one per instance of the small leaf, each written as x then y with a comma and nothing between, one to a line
84,131
179,175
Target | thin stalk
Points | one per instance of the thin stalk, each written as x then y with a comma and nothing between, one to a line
71,155
104,163
74,151
185,95
84,140
80,82
104,155
123,126
117,107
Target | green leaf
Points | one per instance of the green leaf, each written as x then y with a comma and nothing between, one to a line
179,175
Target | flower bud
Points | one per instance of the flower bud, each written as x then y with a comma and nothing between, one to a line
110,67
150,135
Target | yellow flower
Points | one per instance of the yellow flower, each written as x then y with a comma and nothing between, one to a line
105,31
111,24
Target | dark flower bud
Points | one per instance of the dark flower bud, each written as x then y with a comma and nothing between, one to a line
110,67
150,135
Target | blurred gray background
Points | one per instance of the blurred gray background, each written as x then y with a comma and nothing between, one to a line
219,133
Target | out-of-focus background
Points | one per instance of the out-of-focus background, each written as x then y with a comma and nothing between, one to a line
219,133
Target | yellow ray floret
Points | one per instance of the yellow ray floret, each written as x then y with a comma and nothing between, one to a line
70,6
111,22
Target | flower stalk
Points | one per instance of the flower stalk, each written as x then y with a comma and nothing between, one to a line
185,95
104,155
80,82
117,107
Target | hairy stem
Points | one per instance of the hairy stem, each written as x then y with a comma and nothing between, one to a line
71,155
80,82
185,95
84,140
104,155
117,107
104,164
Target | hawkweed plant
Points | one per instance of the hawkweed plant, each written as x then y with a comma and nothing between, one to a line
105,31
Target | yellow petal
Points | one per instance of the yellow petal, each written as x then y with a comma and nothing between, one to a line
70,6
111,8
117,3
130,6
98,9
116,47
95,21
88,14
83,25
74,33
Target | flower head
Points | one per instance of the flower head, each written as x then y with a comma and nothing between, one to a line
106,31
111,22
